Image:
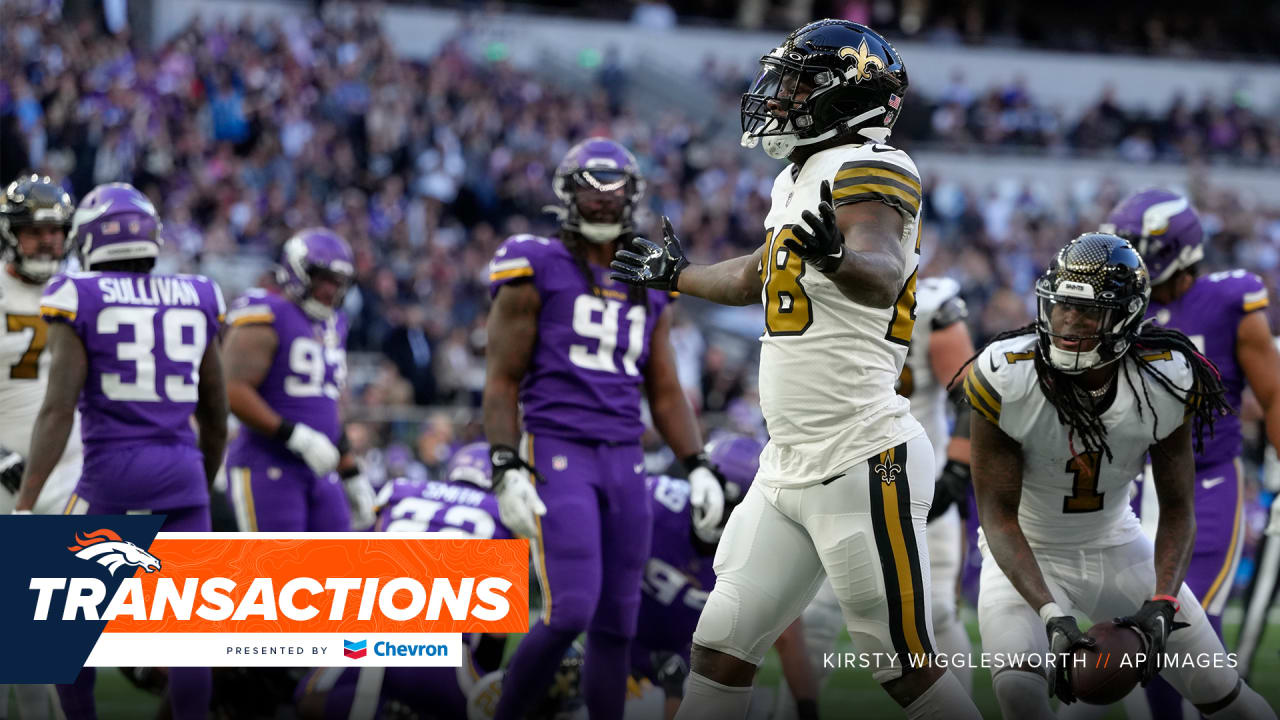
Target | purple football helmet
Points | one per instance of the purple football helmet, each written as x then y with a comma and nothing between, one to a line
470,464
737,457
610,177
311,252
115,222
1163,227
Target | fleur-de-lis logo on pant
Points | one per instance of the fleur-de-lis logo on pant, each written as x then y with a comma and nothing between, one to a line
888,471
865,60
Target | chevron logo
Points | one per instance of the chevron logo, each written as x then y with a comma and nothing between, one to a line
354,650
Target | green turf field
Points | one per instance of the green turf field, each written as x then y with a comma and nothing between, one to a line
848,693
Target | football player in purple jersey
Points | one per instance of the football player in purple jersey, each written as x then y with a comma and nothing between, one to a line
1221,313
572,348
286,368
139,353
678,574
461,506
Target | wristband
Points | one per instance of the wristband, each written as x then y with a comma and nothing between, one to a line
282,433
21,512
1049,611
696,460
350,472
503,458
1169,599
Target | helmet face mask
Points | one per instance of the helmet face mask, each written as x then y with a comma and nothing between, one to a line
30,207
600,184
316,259
1091,303
828,79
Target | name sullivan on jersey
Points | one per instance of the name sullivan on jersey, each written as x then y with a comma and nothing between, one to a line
149,291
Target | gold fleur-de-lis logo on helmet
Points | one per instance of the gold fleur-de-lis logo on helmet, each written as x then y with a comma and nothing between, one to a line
864,59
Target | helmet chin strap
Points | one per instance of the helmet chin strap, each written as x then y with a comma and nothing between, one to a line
779,147
37,270
599,233
316,309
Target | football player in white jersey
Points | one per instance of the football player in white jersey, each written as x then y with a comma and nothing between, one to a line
939,348
35,214
1064,413
846,481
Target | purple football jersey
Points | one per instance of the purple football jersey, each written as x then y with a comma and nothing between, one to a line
677,578
432,506
1210,313
144,336
588,363
308,372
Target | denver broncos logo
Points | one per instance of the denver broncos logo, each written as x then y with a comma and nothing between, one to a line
108,549
864,59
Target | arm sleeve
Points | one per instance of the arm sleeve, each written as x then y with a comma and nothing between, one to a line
60,301
515,261
250,309
888,177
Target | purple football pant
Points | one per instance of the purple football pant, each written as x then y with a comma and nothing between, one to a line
141,477
1214,560
190,688
338,693
280,494
589,558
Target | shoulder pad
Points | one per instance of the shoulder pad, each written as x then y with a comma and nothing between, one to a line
878,172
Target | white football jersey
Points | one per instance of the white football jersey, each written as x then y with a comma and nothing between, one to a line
828,366
1082,498
927,393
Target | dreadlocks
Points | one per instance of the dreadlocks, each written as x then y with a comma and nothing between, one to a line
636,294
1205,400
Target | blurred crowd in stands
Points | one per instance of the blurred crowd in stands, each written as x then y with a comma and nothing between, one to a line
245,133
1174,28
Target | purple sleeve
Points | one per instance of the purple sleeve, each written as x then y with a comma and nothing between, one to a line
1241,291
517,259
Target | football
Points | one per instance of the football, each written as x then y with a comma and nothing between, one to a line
1100,675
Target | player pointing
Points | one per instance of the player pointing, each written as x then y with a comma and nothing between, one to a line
845,483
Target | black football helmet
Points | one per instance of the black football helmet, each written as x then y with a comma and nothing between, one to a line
829,78
34,201
1092,301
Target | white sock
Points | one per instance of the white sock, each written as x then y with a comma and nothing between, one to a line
954,641
945,699
1022,694
706,699
1248,705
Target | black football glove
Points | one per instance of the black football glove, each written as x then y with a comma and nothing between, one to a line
1064,639
650,265
951,488
1155,621
671,671
822,245
12,465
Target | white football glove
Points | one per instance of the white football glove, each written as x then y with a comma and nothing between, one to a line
362,501
518,503
707,497
313,447
1273,527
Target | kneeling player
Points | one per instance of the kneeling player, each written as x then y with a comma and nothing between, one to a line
1064,413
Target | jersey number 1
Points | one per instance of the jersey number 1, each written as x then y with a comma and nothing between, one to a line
1084,496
